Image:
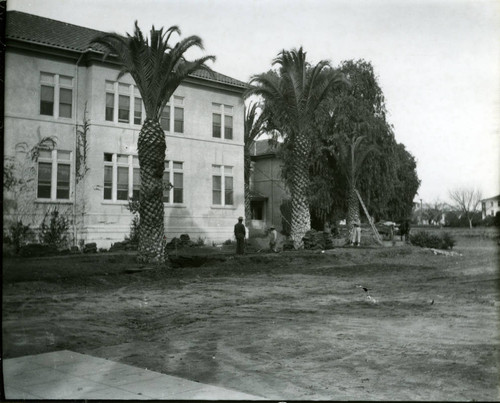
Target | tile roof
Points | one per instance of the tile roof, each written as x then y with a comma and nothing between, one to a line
48,32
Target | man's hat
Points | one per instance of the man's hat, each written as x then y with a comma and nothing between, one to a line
272,227
240,218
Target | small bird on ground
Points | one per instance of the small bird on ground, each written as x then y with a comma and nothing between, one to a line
364,288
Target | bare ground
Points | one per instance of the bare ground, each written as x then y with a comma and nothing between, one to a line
288,326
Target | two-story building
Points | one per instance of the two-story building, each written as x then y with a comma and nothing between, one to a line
270,199
71,130
490,206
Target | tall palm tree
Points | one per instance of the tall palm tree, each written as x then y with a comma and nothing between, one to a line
253,128
157,69
291,96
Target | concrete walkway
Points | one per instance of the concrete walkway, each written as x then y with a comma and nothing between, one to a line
69,375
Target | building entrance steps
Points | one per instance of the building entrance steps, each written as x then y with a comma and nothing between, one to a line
69,375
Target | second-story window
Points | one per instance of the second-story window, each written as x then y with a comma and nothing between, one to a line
222,117
172,115
56,95
123,103
137,107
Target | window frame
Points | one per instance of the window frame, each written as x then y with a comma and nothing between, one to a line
118,89
55,160
57,85
172,170
219,171
132,165
224,130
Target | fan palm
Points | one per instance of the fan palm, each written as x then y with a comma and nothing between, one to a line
291,96
157,69
253,128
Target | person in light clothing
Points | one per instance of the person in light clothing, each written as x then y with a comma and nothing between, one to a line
273,238
356,232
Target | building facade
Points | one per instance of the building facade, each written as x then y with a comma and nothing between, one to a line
270,198
71,132
490,207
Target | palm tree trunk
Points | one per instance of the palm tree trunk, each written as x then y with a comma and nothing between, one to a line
352,208
151,149
301,218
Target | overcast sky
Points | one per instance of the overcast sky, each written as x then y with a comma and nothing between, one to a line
437,61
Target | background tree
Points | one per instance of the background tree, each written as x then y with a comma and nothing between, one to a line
253,128
466,200
157,69
353,124
434,212
291,96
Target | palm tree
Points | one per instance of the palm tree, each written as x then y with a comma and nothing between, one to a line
291,96
158,69
253,128
352,153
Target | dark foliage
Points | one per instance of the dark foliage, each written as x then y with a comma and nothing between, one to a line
425,239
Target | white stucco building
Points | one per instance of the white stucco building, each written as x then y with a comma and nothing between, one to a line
54,85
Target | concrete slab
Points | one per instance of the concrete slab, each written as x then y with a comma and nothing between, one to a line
69,375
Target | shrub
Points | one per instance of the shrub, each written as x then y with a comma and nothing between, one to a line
134,230
425,239
200,241
55,232
228,242
19,234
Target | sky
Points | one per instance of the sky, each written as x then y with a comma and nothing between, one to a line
437,62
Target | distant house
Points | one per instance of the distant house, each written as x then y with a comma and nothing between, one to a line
55,85
490,207
269,195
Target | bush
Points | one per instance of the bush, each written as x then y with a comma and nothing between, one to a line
200,241
19,234
54,233
134,230
229,242
425,239
37,250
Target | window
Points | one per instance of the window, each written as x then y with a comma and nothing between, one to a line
56,95
173,115
222,116
123,103
222,185
122,179
257,209
216,125
54,168
173,182
178,120
136,178
165,118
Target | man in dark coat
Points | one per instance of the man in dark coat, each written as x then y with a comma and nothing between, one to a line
239,233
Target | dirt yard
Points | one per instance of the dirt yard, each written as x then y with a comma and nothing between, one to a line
287,326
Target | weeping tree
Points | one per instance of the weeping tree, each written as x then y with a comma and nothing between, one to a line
157,68
357,149
291,94
253,127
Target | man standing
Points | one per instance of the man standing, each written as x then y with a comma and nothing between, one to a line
239,233
273,238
